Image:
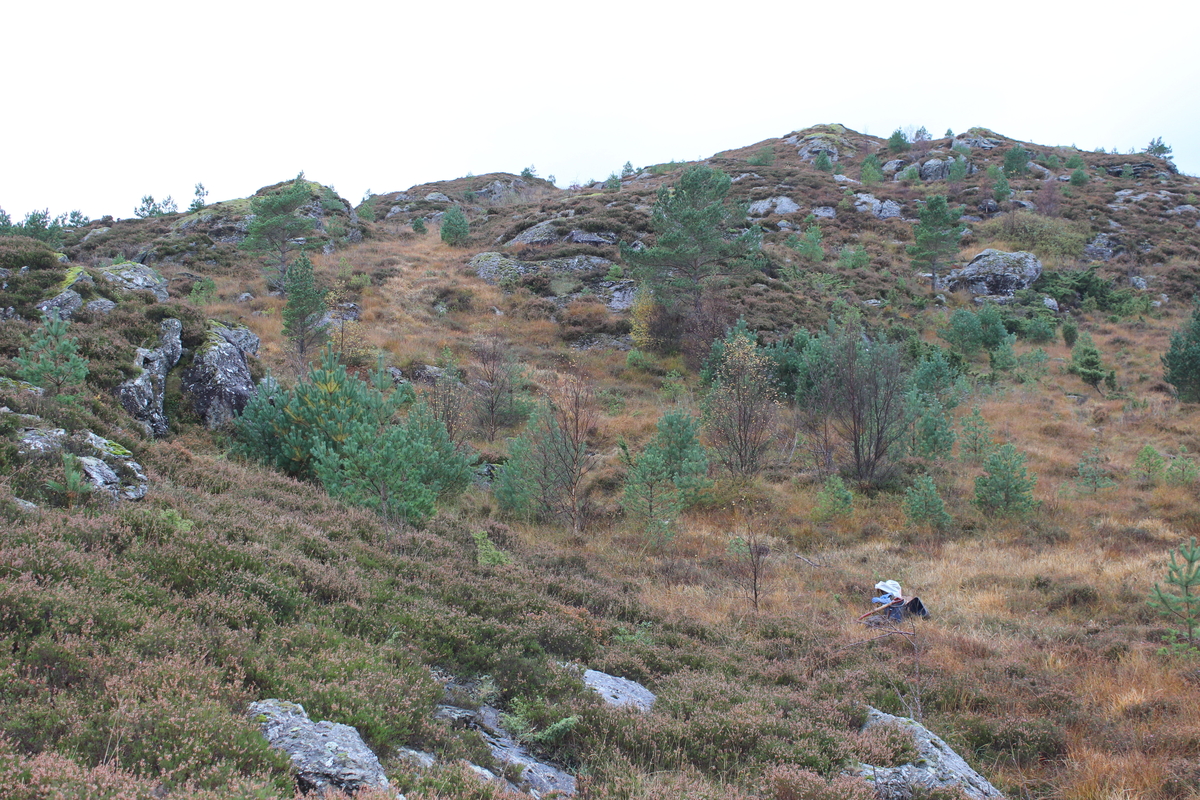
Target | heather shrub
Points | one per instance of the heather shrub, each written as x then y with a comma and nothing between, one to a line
789,782
24,251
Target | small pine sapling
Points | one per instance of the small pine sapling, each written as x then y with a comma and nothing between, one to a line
871,172
1005,488
1149,468
935,432
1086,363
976,442
52,360
1181,604
834,500
1079,177
923,505
455,229
1092,474
823,162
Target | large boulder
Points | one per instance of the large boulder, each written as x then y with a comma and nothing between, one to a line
996,273
109,467
773,205
142,396
541,233
936,769
218,379
325,755
620,692
63,305
133,277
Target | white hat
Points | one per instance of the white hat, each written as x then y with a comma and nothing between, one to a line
891,587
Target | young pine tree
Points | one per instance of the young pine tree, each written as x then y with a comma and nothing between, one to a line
1181,604
304,308
52,359
1091,474
455,230
935,432
872,172
1086,363
923,505
936,236
976,442
1149,468
823,162
1005,488
834,500
1181,362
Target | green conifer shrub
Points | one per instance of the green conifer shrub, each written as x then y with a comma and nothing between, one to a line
923,505
1091,473
1181,362
418,226
823,162
1005,488
1181,603
833,500
1149,468
1079,177
304,309
1086,362
1016,160
52,358
455,230
871,172
1070,332
976,442
898,142
935,432
936,236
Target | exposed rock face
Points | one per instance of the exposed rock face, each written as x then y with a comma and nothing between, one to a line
1140,170
219,379
109,467
325,755
996,273
137,277
596,238
938,768
437,197
825,212
619,691
773,205
886,209
142,396
64,305
542,233
976,141
937,169
1103,247
495,267
99,306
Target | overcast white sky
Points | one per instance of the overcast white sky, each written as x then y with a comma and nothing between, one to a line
107,101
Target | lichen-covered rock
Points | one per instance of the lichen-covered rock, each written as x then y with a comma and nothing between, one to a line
99,306
437,197
325,755
1103,247
218,380
937,768
109,467
63,305
142,396
594,238
825,212
134,277
619,691
541,233
773,205
496,267
995,272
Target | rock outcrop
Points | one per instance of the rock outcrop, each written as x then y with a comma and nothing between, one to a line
133,277
142,396
995,273
218,380
773,205
937,767
325,755
109,467
63,305
619,691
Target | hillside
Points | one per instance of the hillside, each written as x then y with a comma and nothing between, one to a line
137,631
